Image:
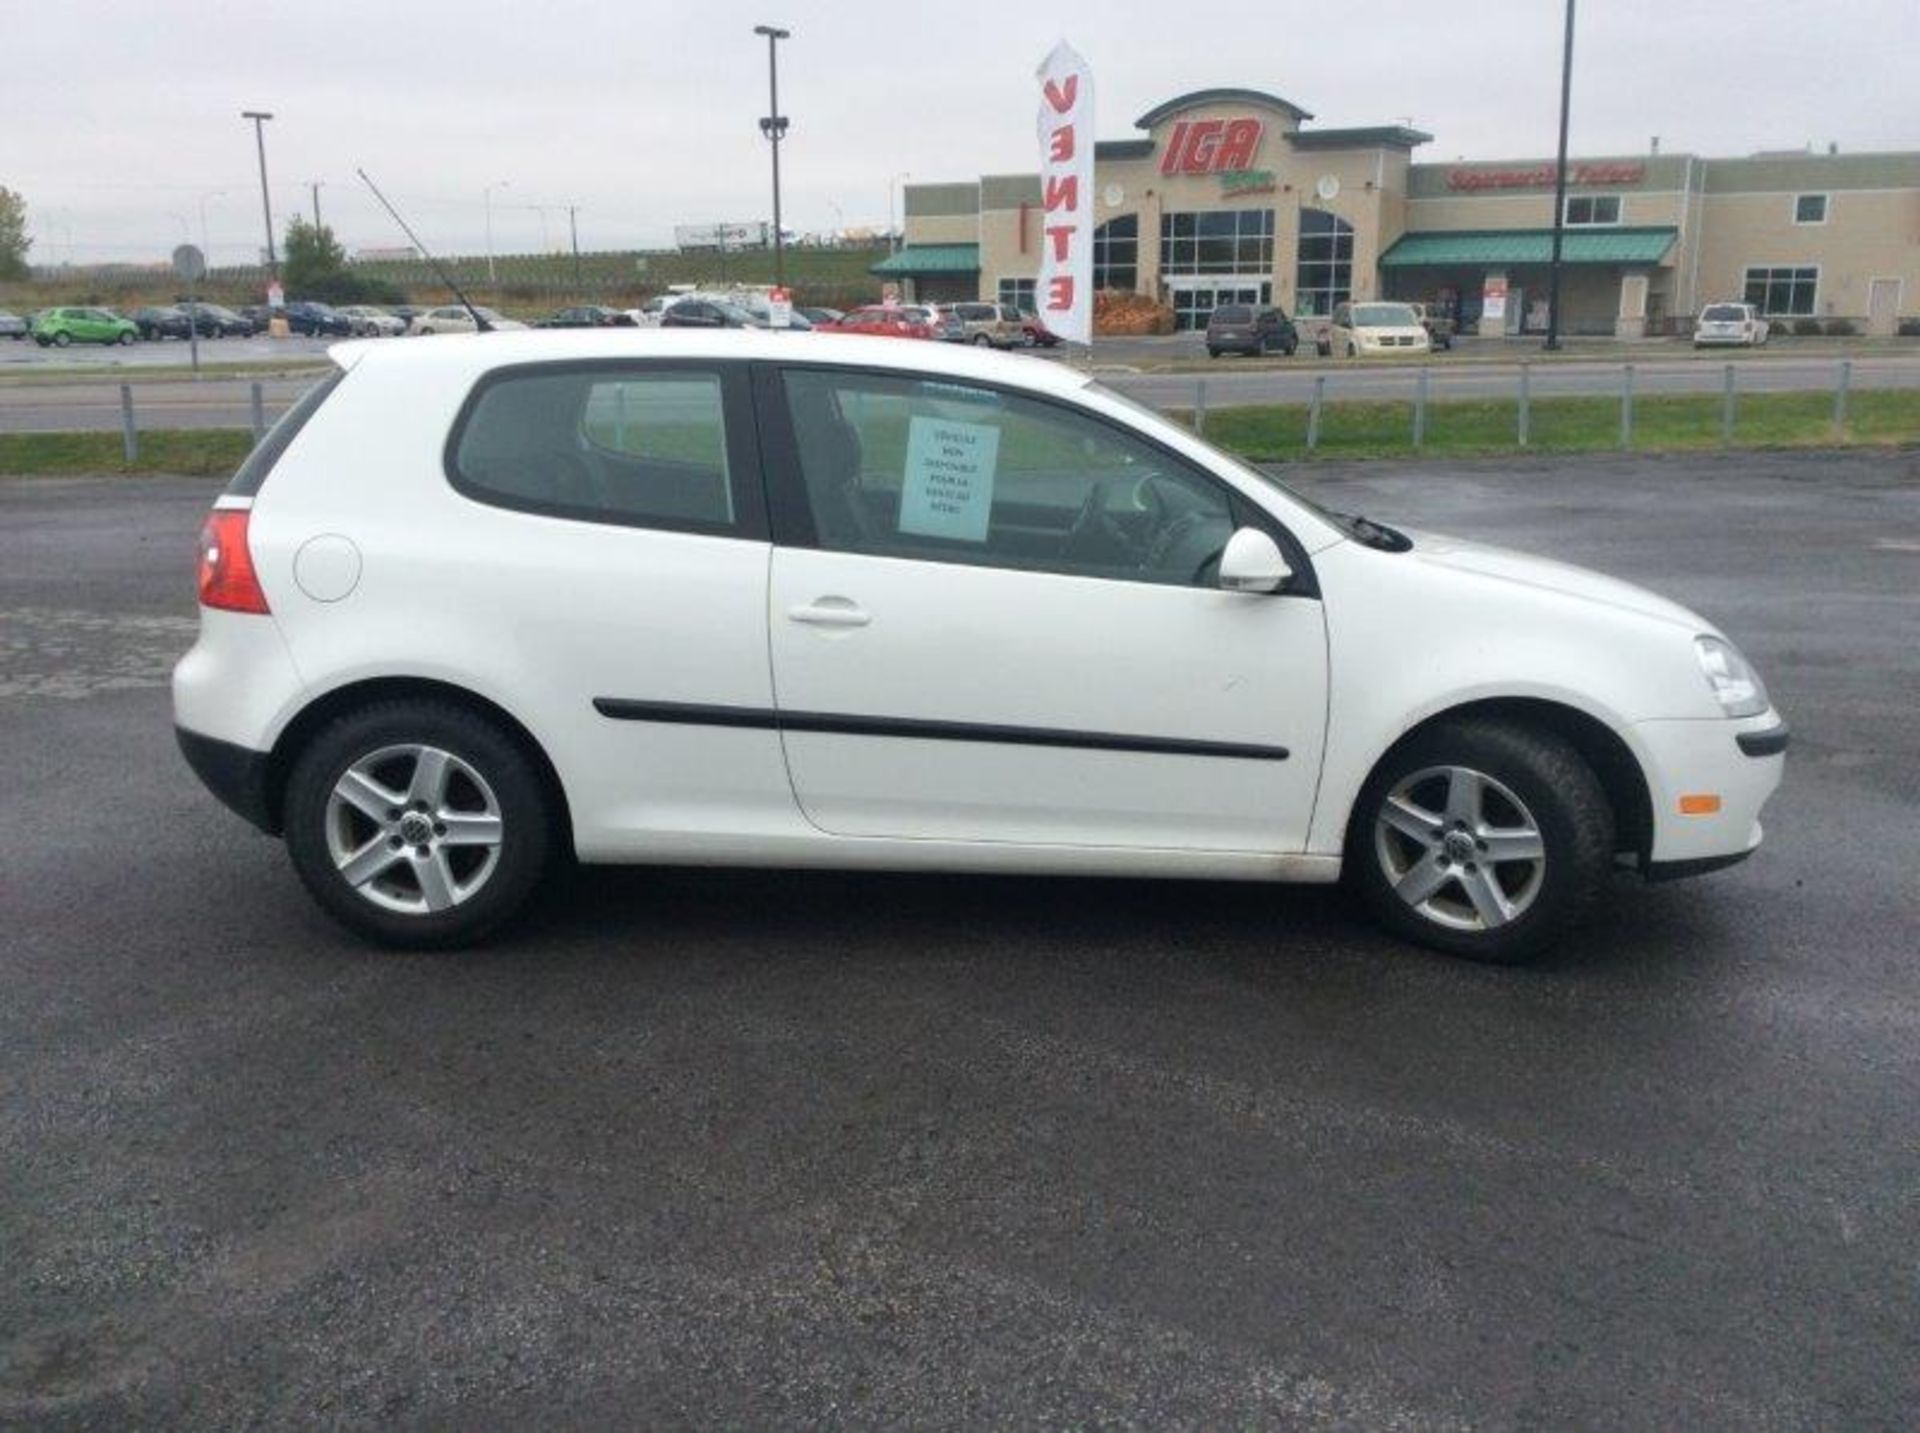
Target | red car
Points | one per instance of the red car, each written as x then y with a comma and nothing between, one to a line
1038,334
880,319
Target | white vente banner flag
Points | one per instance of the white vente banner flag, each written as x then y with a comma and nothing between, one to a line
1063,292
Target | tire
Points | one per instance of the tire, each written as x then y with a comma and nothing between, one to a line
1212,352
1523,788
459,890
61,340
1352,352
981,340
1291,347
126,339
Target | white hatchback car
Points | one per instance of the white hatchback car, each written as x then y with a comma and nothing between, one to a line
705,597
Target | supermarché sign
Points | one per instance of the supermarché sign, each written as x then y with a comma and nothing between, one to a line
1542,176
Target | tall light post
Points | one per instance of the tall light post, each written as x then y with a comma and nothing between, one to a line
573,229
259,118
774,127
893,234
314,186
1560,189
486,198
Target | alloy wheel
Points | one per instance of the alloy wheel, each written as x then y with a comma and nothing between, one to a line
1459,848
413,829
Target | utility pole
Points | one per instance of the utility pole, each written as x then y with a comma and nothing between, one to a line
486,198
316,185
774,127
573,229
1560,190
259,118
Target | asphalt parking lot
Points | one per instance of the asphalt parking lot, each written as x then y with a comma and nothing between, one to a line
779,1148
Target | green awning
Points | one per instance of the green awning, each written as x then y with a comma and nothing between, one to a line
1510,248
917,260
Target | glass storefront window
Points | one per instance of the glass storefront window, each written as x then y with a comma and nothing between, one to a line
1323,268
1227,241
1783,292
1116,254
1018,293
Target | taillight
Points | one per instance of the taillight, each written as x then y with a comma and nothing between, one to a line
227,578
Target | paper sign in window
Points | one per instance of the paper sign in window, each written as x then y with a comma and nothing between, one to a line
947,488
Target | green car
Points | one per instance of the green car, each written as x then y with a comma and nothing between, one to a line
62,326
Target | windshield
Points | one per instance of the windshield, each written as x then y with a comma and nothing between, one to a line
1724,313
1383,316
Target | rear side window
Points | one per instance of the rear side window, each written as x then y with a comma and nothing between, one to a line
642,447
253,472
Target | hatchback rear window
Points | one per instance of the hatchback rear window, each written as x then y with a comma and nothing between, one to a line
253,472
1724,313
1232,313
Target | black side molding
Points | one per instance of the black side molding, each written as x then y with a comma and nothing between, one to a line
1770,742
1655,871
235,774
694,714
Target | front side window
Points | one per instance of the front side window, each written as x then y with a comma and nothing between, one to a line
643,447
1809,208
944,472
1783,292
1592,209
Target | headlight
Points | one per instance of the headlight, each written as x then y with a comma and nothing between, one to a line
1735,685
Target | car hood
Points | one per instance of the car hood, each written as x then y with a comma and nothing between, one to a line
1545,574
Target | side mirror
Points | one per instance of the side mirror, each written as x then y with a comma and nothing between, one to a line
1252,563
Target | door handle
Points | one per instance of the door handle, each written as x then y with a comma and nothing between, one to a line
830,612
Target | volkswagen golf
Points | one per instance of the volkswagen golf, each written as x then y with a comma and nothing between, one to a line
656,596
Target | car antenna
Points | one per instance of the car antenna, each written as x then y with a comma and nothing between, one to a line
445,277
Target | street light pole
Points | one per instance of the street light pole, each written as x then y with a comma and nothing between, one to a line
486,198
573,229
893,234
1560,190
259,118
774,126
316,185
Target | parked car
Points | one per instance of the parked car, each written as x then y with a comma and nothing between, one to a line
1366,330
699,311
883,320
454,318
223,322
649,314
1250,328
1439,326
13,326
406,313
1739,325
946,325
366,321
155,323
816,315
587,316
316,320
971,614
59,327
1038,334
259,315
989,325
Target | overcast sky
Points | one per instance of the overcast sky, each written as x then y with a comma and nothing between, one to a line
119,119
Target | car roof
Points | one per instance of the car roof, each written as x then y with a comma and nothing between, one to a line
481,352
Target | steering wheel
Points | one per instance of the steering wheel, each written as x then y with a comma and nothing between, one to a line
1094,521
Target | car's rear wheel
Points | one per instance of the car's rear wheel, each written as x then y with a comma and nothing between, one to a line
1212,352
417,823
1481,839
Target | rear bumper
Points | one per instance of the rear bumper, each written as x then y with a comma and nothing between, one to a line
237,775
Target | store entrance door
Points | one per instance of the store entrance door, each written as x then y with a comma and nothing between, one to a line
1194,299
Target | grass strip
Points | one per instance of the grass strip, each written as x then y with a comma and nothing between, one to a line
1479,427
188,452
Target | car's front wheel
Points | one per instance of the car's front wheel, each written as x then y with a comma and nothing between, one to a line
1481,839
417,823
61,340
126,337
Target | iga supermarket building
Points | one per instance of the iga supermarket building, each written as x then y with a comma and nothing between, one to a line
1230,195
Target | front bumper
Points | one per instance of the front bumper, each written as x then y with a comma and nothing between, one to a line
1708,781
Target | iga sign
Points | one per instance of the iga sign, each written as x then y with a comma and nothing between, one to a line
1064,289
1542,176
1211,146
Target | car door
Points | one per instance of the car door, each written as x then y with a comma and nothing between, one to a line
993,618
615,542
